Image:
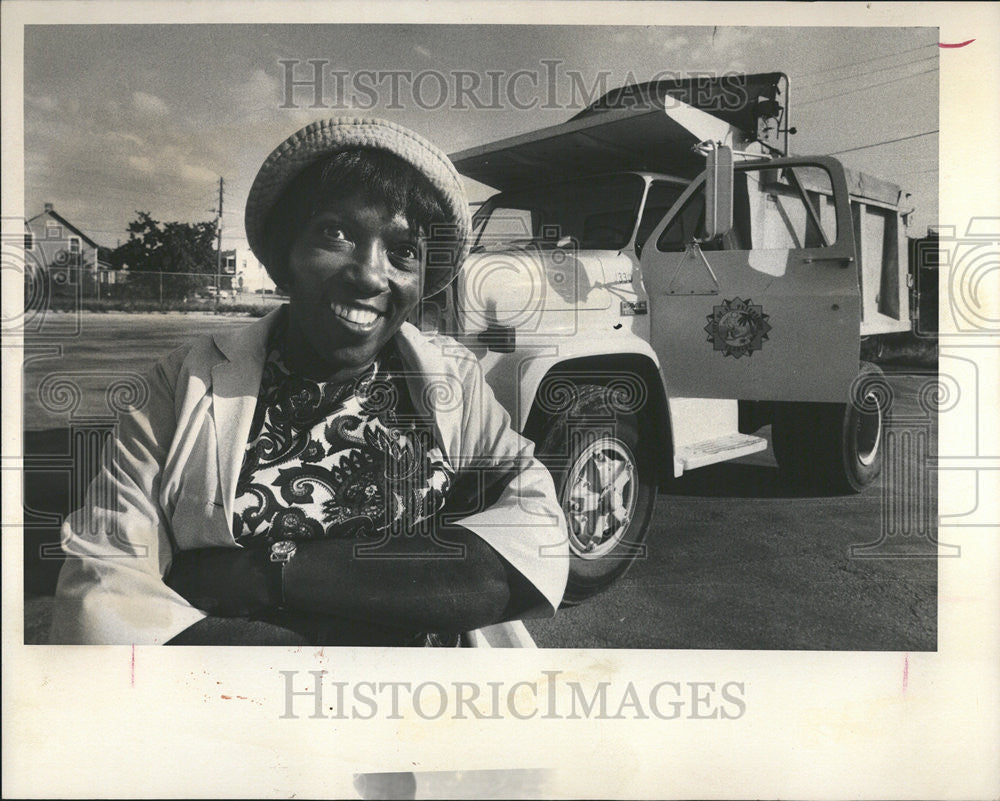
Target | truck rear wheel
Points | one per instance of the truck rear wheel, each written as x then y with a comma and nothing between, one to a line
834,446
604,477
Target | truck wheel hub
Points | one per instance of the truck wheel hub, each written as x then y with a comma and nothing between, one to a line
600,497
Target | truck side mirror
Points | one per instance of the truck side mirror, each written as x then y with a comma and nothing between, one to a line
718,192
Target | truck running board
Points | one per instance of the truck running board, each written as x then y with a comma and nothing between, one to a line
710,451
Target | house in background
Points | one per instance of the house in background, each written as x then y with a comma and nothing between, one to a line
242,272
60,249
55,241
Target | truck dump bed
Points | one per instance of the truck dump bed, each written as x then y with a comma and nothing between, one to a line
649,126
617,141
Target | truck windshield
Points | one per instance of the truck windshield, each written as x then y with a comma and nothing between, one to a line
595,214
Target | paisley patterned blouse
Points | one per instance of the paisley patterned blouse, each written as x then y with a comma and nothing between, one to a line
336,460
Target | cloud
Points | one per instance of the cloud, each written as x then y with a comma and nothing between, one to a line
671,43
724,46
149,104
128,137
259,91
140,163
195,172
35,162
726,38
42,102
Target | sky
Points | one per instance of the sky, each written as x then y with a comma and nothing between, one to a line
148,117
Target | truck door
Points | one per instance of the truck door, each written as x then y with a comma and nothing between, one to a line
769,311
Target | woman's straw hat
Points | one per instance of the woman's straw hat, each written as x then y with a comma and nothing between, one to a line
324,138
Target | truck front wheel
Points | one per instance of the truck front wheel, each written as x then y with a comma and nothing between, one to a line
834,446
605,481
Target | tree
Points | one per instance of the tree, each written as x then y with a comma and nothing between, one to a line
103,256
186,250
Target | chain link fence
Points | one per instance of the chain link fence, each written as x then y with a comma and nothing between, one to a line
71,288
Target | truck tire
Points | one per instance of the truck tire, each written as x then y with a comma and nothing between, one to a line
834,447
605,480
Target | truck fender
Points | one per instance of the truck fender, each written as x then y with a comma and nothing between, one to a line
633,369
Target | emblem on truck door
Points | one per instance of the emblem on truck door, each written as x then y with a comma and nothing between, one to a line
737,327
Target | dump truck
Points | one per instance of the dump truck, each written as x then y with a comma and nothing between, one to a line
659,278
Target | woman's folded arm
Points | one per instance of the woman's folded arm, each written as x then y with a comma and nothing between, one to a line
451,582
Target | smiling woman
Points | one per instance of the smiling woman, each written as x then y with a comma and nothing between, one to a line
348,243
329,474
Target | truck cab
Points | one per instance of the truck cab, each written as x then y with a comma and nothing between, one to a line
585,234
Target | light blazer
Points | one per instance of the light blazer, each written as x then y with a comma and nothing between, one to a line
168,482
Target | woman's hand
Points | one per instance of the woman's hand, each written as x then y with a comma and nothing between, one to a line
224,582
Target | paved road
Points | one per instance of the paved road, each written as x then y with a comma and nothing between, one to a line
103,347
736,560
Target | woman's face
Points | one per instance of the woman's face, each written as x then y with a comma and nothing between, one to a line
354,275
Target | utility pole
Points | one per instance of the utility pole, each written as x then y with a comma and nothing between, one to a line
218,253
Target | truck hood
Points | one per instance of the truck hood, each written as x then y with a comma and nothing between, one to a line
510,286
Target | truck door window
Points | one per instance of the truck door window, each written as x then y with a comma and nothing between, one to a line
504,224
687,226
660,197
607,230
773,209
790,208
597,213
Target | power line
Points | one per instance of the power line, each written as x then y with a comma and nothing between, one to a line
886,142
867,60
870,72
862,88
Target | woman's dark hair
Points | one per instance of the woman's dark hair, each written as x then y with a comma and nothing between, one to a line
377,173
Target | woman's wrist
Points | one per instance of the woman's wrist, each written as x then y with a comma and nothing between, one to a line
279,556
